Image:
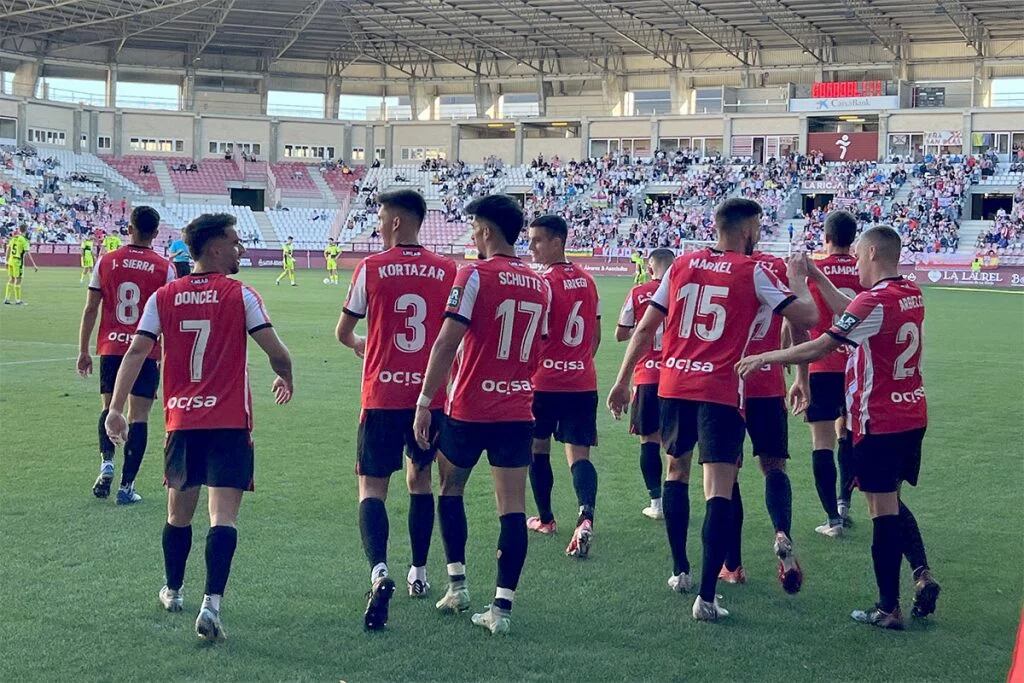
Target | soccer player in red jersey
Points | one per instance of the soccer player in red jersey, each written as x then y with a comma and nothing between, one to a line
768,428
565,384
821,383
709,303
402,293
644,413
496,314
888,411
121,284
204,319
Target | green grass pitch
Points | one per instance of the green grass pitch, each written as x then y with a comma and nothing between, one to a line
79,576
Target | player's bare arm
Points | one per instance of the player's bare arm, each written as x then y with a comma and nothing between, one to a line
801,353
836,300
442,355
116,424
280,363
28,252
345,332
623,333
639,342
799,395
93,300
597,338
802,312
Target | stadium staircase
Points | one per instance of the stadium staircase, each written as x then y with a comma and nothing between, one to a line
330,201
163,176
267,233
969,231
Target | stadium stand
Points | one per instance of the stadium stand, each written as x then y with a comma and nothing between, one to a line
293,180
211,176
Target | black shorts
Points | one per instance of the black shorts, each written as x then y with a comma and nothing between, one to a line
145,384
570,415
645,410
768,427
882,461
508,444
828,396
716,427
384,434
211,457
182,268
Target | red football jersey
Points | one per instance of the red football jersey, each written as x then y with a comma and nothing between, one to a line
402,293
567,354
841,271
884,387
767,382
712,299
204,319
505,305
647,369
125,279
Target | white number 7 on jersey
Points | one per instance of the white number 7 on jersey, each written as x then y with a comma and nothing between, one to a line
202,330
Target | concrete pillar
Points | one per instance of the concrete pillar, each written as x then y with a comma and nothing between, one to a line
346,143
519,144
117,137
389,145
111,89
453,150
883,135
26,77
982,85
802,139
544,91
680,90
585,138
331,94
496,101
76,131
726,136
968,130
655,134
94,131
198,137
275,140
483,98
421,101
22,133
613,88
369,141
263,88
188,91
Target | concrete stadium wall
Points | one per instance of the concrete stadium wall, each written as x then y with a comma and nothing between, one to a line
475,151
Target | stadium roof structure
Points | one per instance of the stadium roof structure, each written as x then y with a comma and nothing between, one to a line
481,37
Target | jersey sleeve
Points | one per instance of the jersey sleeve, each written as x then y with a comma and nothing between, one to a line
861,320
256,317
149,323
661,295
356,300
171,273
94,280
462,298
771,290
627,316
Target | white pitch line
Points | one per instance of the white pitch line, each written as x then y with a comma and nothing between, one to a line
37,343
39,360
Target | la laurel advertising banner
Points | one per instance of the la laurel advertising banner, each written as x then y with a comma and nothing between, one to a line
844,146
1000,277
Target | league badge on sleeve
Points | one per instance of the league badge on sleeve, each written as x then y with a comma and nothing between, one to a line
455,297
847,322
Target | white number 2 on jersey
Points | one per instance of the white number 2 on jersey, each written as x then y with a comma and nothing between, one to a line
910,335
416,308
700,301
129,299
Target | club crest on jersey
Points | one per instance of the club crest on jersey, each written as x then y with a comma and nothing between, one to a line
847,322
455,297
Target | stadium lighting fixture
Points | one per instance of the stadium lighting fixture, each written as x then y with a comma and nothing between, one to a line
495,125
559,124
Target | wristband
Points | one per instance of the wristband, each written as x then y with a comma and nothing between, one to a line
423,401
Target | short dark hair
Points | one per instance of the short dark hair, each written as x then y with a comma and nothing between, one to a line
886,240
732,212
555,225
410,201
501,211
206,227
145,220
840,228
663,256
